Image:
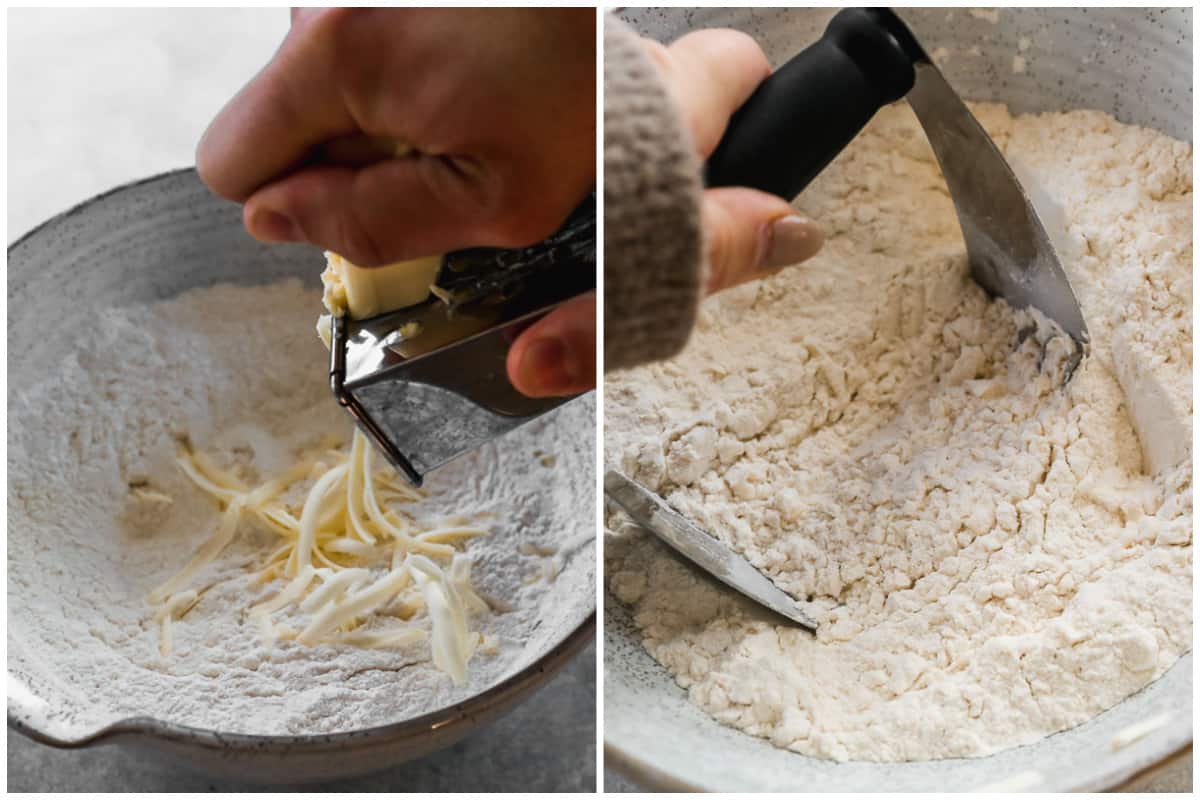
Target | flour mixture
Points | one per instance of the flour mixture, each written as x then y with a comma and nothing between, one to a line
100,514
991,558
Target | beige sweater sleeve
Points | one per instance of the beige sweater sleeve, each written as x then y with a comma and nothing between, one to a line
653,251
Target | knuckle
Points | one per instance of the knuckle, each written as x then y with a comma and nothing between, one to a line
205,170
718,237
344,38
747,46
331,26
213,172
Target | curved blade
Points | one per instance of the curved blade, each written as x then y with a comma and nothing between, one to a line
711,555
1011,253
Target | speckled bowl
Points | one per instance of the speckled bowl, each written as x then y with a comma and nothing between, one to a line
1135,64
111,250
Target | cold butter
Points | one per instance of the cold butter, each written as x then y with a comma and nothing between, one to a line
364,292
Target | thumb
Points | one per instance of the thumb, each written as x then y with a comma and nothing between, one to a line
752,234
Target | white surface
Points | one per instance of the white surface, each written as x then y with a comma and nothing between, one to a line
101,97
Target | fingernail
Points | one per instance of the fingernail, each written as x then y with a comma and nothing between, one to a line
547,367
272,226
790,240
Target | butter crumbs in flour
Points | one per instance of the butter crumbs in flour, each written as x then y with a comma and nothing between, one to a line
991,557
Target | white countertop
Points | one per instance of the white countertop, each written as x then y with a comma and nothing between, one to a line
101,97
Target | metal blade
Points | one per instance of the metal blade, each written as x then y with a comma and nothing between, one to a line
424,411
471,274
1010,252
710,554
428,383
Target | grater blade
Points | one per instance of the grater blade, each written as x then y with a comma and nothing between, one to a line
429,383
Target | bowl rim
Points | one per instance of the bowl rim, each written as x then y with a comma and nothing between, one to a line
493,699
1122,769
82,204
650,778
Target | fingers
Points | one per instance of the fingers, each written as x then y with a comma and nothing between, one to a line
711,73
393,210
752,234
277,119
556,356
300,15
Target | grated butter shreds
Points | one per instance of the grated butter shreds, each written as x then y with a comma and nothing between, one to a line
231,368
345,526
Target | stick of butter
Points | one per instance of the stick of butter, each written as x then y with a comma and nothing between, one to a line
364,292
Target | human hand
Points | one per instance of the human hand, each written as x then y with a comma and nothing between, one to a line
749,234
498,108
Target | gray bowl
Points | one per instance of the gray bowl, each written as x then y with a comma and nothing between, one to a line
1134,64
110,251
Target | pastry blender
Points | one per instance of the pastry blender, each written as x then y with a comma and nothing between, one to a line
794,124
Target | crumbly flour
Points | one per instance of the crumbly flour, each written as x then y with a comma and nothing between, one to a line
239,371
991,558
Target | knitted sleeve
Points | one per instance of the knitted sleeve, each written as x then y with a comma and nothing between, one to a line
653,251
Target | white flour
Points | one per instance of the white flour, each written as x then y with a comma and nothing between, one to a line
991,558
237,368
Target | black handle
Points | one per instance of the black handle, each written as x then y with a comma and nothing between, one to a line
809,109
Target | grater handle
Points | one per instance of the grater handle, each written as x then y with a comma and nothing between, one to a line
809,109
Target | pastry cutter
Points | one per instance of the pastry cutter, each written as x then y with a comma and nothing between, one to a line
794,124
807,111
427,383
710,554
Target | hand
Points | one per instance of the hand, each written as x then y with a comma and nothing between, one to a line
498,108
557,355
497,104
750,234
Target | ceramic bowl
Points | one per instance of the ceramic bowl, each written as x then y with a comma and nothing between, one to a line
152,240
1133,63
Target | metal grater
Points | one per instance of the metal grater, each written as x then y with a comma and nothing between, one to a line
427,383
